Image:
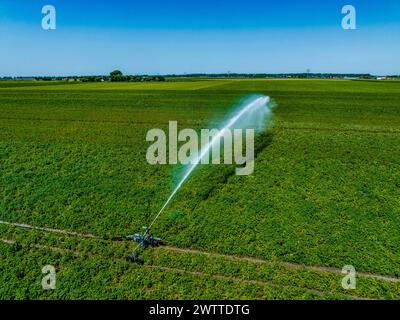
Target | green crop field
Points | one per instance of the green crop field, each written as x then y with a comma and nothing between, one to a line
325,192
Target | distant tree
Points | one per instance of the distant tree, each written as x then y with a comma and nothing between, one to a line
115,73
135,78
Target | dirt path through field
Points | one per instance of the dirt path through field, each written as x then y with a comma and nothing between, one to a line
193,273
291,265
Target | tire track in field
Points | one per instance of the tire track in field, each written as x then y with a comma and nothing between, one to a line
61,231
90,121
340,129
328,129
290,265
193,273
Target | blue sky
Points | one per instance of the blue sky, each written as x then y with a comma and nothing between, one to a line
174,36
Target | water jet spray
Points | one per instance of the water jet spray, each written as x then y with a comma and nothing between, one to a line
255,113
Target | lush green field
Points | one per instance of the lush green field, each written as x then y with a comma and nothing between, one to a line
325,192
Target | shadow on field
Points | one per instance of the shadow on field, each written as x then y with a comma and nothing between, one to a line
261,142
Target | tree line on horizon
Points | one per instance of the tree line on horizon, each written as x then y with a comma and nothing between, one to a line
114,76
118,76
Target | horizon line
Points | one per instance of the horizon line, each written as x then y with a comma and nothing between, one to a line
200,74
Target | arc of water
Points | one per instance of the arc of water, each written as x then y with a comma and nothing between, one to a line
205,150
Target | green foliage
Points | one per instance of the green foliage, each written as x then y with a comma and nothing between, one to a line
115,73
324,192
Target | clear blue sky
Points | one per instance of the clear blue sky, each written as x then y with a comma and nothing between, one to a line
174,36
